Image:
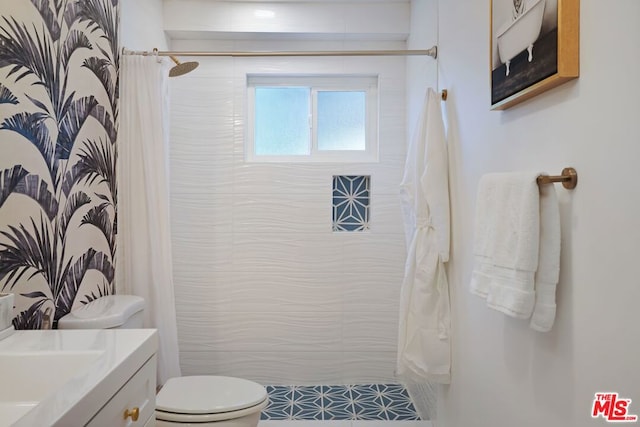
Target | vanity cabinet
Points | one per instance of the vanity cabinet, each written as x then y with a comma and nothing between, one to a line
78,377
134,404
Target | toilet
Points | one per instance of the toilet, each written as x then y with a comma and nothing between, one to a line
203,400
108,312
210,401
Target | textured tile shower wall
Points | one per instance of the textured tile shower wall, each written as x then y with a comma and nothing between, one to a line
265,290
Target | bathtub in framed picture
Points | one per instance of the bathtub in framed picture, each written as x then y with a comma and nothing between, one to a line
535,46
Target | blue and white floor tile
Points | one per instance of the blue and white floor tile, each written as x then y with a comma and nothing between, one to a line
387,402
343,423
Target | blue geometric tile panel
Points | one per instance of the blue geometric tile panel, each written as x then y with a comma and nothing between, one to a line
351,196
389,402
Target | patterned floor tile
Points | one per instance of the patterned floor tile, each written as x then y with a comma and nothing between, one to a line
306,412
280,393
337,391
280,403
341,409
277,412
308,394
350,402
364,392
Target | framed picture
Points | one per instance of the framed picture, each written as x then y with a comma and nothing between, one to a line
535,46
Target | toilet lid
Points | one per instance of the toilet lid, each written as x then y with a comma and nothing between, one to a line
208,395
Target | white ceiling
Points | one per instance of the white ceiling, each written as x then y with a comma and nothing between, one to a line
289,19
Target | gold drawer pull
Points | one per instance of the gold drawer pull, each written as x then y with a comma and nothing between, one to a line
134,414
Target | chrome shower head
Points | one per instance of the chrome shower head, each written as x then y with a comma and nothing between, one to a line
182,68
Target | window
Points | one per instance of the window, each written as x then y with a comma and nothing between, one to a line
312,119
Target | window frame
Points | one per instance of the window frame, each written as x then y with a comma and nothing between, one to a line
366,83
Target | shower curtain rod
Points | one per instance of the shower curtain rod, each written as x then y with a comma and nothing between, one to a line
433,52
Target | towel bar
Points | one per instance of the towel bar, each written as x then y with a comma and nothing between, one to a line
569,178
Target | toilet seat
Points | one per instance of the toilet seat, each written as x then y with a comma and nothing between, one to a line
203,418
208,398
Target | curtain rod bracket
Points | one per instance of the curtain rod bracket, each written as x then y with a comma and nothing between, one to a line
433,52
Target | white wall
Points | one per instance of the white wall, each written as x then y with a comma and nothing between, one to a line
422,71
142,24
265,290
504,374
336,20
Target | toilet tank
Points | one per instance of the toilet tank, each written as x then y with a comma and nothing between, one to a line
108,312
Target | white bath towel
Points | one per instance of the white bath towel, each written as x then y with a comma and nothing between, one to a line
517,259
506,242
548,272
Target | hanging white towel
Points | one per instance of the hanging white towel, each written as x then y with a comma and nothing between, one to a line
548,273
506,242
517,257
423,340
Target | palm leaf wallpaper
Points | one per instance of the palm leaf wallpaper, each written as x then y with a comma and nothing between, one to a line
59,64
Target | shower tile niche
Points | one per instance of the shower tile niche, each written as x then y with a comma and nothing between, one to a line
351,202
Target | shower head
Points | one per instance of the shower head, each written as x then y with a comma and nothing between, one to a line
182,68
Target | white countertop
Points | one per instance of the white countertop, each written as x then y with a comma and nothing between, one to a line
111,357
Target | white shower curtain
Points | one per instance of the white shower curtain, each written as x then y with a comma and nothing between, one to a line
144,265
423,339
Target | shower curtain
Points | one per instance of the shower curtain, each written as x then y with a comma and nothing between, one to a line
423,339
144,264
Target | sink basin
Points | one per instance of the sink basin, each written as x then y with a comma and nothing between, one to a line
63,378
35,375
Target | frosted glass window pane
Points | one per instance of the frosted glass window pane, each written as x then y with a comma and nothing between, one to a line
341,120
282,121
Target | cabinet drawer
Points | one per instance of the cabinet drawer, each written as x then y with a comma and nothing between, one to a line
139,392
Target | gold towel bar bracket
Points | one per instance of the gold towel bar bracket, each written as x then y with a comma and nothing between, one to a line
444,94
569,178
